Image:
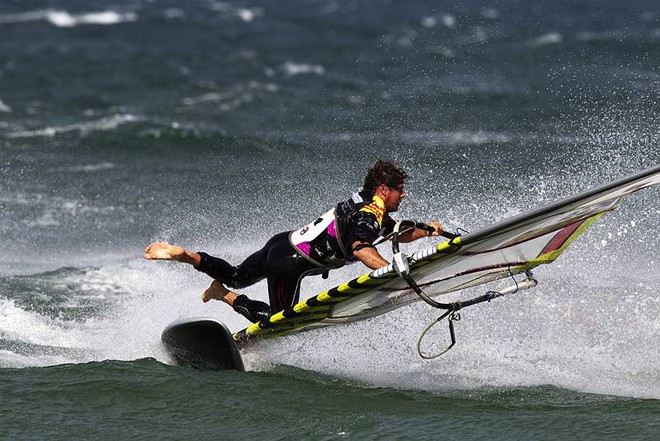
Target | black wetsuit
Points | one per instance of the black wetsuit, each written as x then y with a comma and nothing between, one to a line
283,265
277,261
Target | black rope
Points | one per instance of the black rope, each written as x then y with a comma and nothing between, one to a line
401,266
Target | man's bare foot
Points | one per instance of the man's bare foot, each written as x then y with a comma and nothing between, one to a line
164,251
217,291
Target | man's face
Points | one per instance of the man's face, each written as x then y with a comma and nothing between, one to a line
393,197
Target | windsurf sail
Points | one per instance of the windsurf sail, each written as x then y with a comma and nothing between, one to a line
511,247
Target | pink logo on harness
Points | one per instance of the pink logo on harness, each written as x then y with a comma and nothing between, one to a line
305,247
332,231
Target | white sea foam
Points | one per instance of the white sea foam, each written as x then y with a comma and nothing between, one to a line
546,39
233,97
88,168
64,19
447,20
33,339
19,324
4,107
103,124
246,14
141,298
24,17
291,69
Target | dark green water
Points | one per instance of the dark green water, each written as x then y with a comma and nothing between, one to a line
144,399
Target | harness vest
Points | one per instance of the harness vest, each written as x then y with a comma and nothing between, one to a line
324,242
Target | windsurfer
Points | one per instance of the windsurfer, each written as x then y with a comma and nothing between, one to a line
343,235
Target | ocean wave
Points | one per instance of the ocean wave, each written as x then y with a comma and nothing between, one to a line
233,97
103,124
546,39
48,211
447,20
601,35
290,69
246,14
4,107
28,338
88,168
62,213
64,19
63,296
26,326
453,138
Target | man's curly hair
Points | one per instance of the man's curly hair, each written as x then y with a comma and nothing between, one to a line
384,172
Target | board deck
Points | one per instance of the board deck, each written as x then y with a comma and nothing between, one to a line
202,343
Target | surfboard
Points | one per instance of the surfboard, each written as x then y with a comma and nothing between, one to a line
503,250
202,343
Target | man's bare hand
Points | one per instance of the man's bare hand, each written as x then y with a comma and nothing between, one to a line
438,228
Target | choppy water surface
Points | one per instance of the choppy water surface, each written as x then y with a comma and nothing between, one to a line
218,124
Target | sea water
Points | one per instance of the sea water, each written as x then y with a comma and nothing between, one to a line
215,125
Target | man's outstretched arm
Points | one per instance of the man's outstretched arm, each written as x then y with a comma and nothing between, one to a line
369,255
418,233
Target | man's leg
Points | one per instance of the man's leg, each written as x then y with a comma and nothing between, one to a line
218,292
277,261
284,268
251,271
248,273
253,310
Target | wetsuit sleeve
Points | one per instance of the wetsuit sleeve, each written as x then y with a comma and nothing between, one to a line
363,227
